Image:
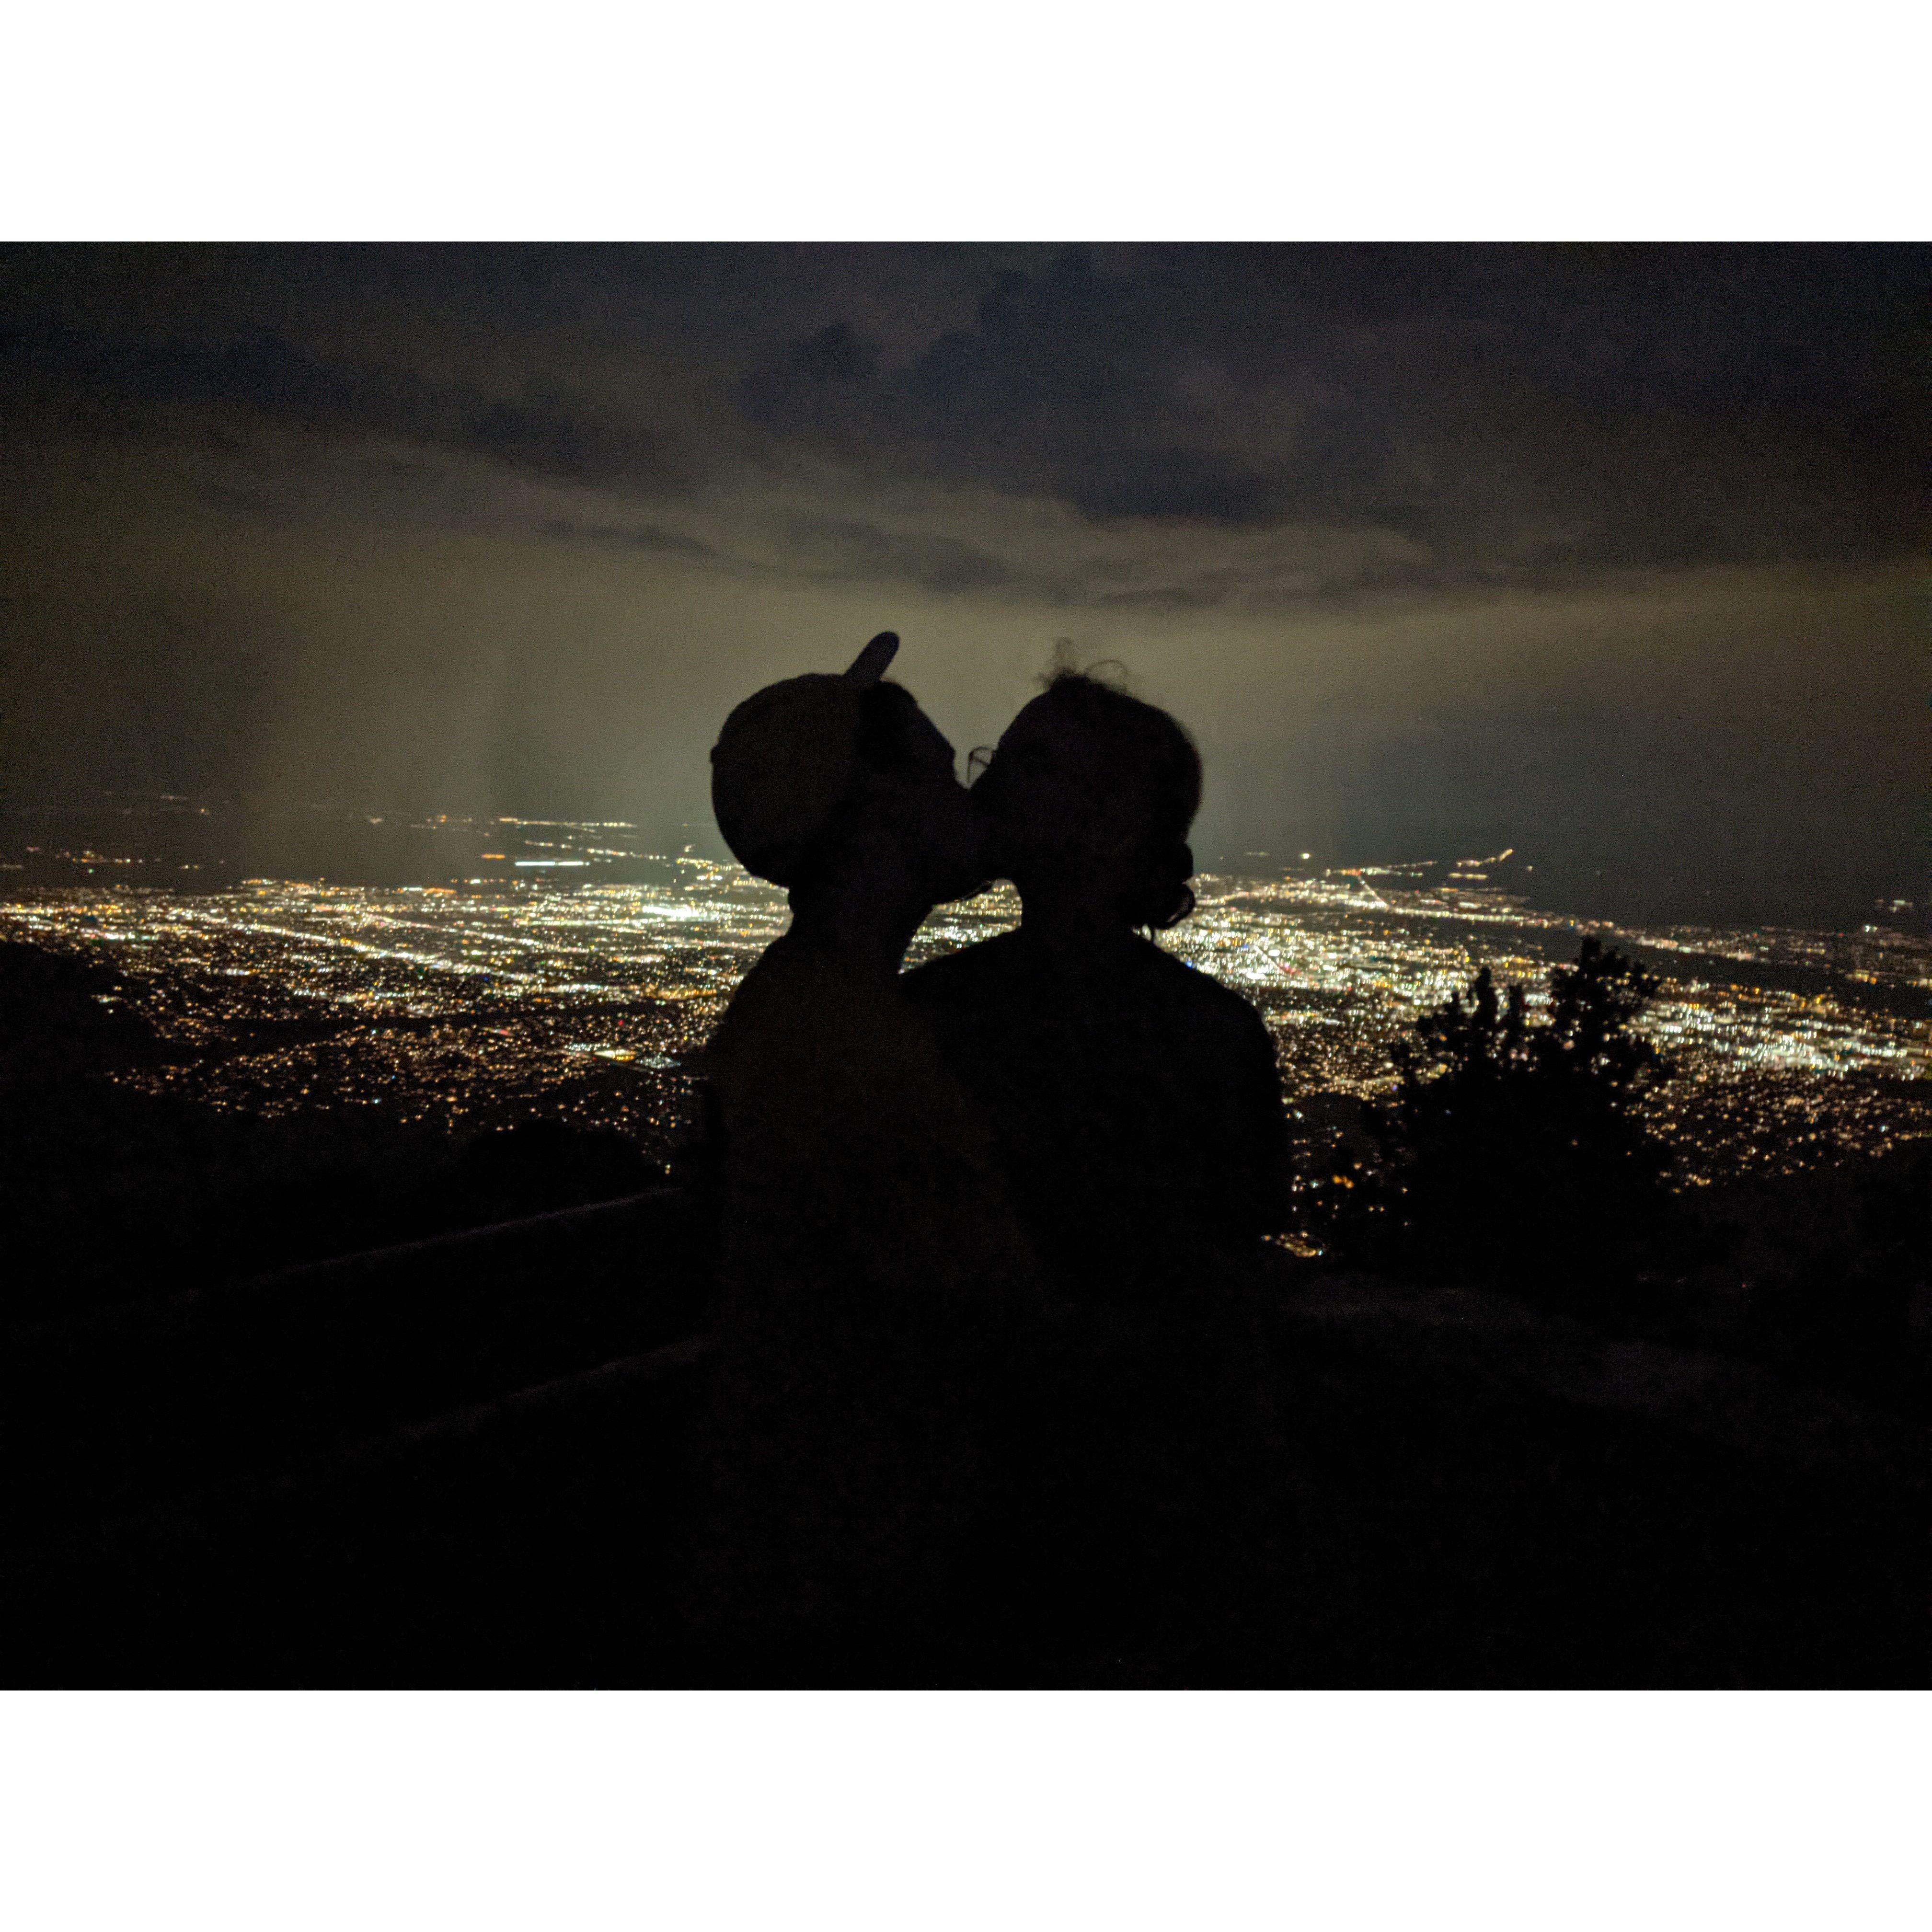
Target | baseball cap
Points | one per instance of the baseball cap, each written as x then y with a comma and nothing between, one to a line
786,759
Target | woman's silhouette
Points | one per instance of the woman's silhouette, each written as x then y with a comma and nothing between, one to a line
1137,1110
1135,1101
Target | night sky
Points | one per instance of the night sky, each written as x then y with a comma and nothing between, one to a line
1611,554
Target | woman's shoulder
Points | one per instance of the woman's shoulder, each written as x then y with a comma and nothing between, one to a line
1190,990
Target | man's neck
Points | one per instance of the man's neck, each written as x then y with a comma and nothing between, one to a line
863,915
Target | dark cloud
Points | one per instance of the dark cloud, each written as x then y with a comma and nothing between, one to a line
1513,409
1510,413
99,382
1065,386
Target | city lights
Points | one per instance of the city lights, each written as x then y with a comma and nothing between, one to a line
485,1001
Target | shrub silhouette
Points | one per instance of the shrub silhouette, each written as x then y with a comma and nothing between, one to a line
1512,1152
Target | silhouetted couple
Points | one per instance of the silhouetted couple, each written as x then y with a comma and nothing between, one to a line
981,1222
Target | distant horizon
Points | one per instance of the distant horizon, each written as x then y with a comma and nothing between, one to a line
1575,889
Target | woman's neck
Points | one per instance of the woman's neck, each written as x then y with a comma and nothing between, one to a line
1072,922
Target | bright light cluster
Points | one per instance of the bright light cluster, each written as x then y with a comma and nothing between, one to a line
486,1000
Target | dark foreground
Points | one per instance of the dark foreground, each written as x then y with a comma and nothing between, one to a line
467,1463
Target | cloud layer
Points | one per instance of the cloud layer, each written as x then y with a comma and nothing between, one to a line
1384,524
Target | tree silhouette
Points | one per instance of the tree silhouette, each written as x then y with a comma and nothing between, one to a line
1512,1151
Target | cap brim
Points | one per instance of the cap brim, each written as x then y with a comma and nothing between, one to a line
870,665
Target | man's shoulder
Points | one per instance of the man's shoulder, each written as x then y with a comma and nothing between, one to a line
784,977
796,1004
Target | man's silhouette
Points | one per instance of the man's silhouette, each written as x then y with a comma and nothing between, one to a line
874,1276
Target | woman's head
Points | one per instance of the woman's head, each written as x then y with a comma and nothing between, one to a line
1088,800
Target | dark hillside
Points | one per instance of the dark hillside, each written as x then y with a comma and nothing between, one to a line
1471,1492
113,1195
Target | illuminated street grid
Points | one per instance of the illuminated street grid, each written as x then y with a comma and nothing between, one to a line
491,1001
1767,1078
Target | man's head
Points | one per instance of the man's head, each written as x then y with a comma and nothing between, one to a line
1090,794
805,768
